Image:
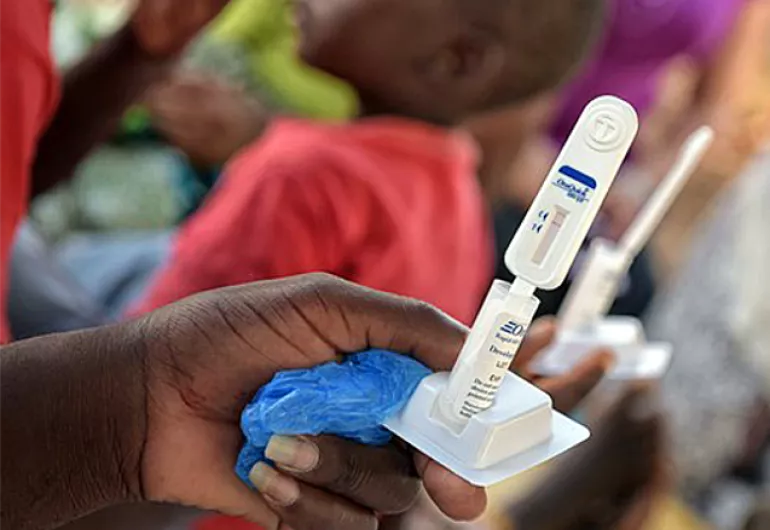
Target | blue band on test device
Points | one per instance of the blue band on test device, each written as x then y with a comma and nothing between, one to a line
578,176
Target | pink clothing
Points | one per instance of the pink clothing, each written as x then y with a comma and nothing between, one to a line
641,38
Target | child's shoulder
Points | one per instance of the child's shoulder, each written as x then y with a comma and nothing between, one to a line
372,152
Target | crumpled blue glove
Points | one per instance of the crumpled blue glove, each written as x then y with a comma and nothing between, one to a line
350,399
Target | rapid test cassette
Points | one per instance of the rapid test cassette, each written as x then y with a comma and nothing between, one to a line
481,421
583,321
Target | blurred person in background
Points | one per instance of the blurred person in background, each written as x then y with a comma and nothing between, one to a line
717,392
263,37
95,241
236,78
391,199
172,143
47,133
63,280
640,43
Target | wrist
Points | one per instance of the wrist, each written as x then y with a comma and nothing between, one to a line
96,383
124,385
108,392
73,423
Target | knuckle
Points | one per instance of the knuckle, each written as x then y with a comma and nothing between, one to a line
322,283
417,314
390,492
344,518
402,497
421,310
323,279
353,477
332,514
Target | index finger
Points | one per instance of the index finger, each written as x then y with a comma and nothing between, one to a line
378,478
341,317
570,389
539,336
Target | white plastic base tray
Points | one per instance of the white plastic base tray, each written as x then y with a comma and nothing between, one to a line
635,359
496,444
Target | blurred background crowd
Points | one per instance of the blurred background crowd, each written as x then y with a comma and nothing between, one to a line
100,246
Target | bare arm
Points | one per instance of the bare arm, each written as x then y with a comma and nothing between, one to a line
720,94
728,94
72,408
97,91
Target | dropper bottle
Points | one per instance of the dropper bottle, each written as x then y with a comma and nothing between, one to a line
488,351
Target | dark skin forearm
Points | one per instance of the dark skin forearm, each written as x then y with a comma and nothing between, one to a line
73,415
95,94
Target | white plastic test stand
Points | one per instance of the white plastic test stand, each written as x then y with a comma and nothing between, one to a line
635,358
480,421
583,326
583,321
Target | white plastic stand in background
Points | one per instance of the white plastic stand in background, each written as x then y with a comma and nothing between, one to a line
583,323
635,358
520,431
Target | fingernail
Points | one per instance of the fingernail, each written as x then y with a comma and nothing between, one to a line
293,454
276,488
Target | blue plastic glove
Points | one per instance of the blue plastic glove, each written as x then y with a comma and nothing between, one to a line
350,399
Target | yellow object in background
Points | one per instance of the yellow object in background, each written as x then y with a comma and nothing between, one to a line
672,514
263,29
505,493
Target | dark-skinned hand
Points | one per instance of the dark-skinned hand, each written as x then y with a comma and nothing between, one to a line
567,390
163,28
210,353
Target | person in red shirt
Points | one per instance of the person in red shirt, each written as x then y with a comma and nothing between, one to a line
391,200
42,136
